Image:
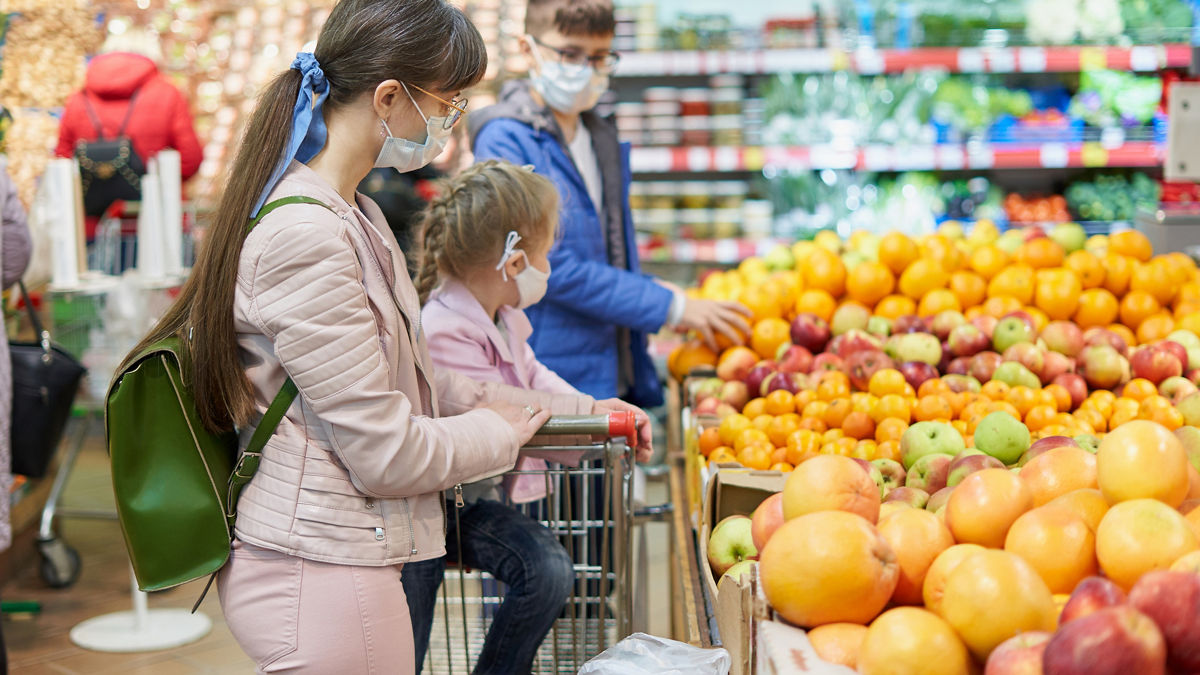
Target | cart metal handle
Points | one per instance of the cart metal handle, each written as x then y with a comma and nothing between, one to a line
621,423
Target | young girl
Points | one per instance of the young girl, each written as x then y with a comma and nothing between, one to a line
486,239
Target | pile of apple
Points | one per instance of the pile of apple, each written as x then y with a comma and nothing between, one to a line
1078,561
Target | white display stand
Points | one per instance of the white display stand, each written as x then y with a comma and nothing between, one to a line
141,630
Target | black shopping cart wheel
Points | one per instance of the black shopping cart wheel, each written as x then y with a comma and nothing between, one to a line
60,563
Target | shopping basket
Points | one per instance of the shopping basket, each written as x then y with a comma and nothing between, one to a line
599,611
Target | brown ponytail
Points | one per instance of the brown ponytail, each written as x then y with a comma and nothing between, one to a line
465,227
364,42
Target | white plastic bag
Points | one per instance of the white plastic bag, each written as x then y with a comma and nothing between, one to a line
641,654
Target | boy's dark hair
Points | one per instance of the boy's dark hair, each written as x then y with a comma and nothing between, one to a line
570,17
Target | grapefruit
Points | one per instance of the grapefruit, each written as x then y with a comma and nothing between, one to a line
935,577
985,505
1090,505
828,567
910,640
918,537
1057,472
1058,544
1139,536
995,597
1142,460
828,483
838,643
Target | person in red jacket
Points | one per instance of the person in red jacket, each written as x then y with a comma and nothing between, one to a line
160,118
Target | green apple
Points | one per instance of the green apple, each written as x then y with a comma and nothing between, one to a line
929,438
853,259
923,347
1014,374
1190,407
779,258
1097,245
879,326
1187,338
1010,241
1009,331
1070,236
1002,436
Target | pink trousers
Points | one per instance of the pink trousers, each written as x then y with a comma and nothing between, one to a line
293,615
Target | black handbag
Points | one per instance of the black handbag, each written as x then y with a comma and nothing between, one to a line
109,168
45,380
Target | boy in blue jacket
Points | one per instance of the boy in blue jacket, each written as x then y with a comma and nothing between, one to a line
592,326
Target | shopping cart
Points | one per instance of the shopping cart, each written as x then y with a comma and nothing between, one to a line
600,609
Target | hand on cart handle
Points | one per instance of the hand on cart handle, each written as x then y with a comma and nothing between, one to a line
525,420
644,441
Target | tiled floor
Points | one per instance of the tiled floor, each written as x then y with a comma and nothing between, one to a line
39,644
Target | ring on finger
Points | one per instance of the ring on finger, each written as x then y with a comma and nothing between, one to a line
530,409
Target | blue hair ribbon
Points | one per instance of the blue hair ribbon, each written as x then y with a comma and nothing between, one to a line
308,122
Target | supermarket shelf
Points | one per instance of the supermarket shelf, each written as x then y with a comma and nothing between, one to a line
951,157
874,61
719,251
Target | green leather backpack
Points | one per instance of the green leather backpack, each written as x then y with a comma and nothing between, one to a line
176,483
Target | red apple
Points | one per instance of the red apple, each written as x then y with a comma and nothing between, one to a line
736,362
959,366
984,364
1177,349
1102,366
861,365
1194,376
1177,388
960,383
987,324
937,501
707,407
735,393
916,372
794,359
759,374
1111,641
1172,601
827,361
855,341
810,331
1075,385
909,323
1091,595
1018,655
965,465
777,381
929,473
1104,336
1154,363
946,321
766,519
968,340
1063,337
914,497
1055,364
1026,354
1046,444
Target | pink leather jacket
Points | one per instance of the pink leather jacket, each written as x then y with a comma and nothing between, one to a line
355,471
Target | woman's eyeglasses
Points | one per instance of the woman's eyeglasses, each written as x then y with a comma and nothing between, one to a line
603,63
457,106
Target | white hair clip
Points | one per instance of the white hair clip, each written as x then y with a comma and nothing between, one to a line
528,167
510,245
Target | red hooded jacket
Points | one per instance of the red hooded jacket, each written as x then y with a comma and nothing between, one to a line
160,117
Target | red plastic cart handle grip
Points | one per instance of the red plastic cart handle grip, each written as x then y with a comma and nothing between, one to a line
623,423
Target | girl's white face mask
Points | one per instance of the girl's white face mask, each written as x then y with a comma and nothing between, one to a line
404,155
531,282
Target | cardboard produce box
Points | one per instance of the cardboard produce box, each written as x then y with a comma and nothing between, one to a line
781,649
738,604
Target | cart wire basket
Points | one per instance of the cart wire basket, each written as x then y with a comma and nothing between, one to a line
590,511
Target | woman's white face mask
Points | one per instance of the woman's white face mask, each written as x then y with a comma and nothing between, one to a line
404,155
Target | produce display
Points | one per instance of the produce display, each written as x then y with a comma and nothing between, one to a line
999,426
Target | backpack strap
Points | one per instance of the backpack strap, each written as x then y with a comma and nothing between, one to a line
91,112
128,113
248,463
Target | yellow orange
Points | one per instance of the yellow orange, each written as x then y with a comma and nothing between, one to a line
937,301
1058,296
895,306
988,260
1016,281
816,301
1136,307
897,251
969,288
1087,267
692,354
828,567
838,643
1118,269
1097,307
768,335
922,276
1154,278
1040,253
1131,243
825,271
1140,536
869,282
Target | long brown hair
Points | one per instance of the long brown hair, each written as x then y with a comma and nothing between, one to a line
428,43
466,226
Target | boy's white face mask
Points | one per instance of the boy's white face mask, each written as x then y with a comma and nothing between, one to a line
531,282
570,90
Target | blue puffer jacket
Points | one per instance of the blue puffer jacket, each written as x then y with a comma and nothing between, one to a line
596,316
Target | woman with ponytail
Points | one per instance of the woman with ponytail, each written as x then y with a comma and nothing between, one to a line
349,486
